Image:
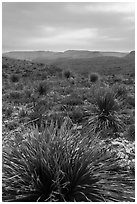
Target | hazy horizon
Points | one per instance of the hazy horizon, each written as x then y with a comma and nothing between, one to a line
57,27
65,51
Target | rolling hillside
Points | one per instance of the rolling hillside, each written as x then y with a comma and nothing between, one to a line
49,55
82,61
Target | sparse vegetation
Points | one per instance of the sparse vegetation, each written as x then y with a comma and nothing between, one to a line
15,95
14,78
65,141
7,111
63,167
130,134
120,91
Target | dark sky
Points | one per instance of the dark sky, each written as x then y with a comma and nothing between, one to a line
62,26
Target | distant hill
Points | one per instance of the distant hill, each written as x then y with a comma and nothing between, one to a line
82,61
49,55
103,65
131,55
104,62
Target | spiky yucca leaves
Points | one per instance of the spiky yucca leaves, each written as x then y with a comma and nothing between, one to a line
62,165
105,114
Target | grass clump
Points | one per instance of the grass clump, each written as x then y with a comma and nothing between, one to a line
67,74
15,96
60,165
4,66
23,113
14,78
94,77
11,125
42,88
7,111
105,114
130,133
130,101
72,100
120,91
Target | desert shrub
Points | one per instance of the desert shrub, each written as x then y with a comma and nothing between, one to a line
130,134
18,86
14,78
128,81
130,100
107,133
65,90
23,113
4,66
4,75
72,80
42,88
72,100
11,125
53,70
15,95
77,115
44,76
105,114
120,91
38,113
60,165
94,77
27,93
56,118
36,118
42,105
117,78
7,111
67,74
26,74
84,82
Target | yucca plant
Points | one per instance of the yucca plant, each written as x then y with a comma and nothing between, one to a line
105,114
42,88
63,165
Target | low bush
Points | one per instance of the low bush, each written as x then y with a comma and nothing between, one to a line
72,100
11,125
39,112
42,88
119,91
105,114
4,75
14,78
15,95
60,165
23,113
77,115
53,70
36,118
67,74
4,66
94,77
130,100
130,133
7,111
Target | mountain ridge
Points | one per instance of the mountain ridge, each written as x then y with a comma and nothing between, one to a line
51,55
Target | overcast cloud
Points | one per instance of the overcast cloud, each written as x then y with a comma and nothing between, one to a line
63,26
